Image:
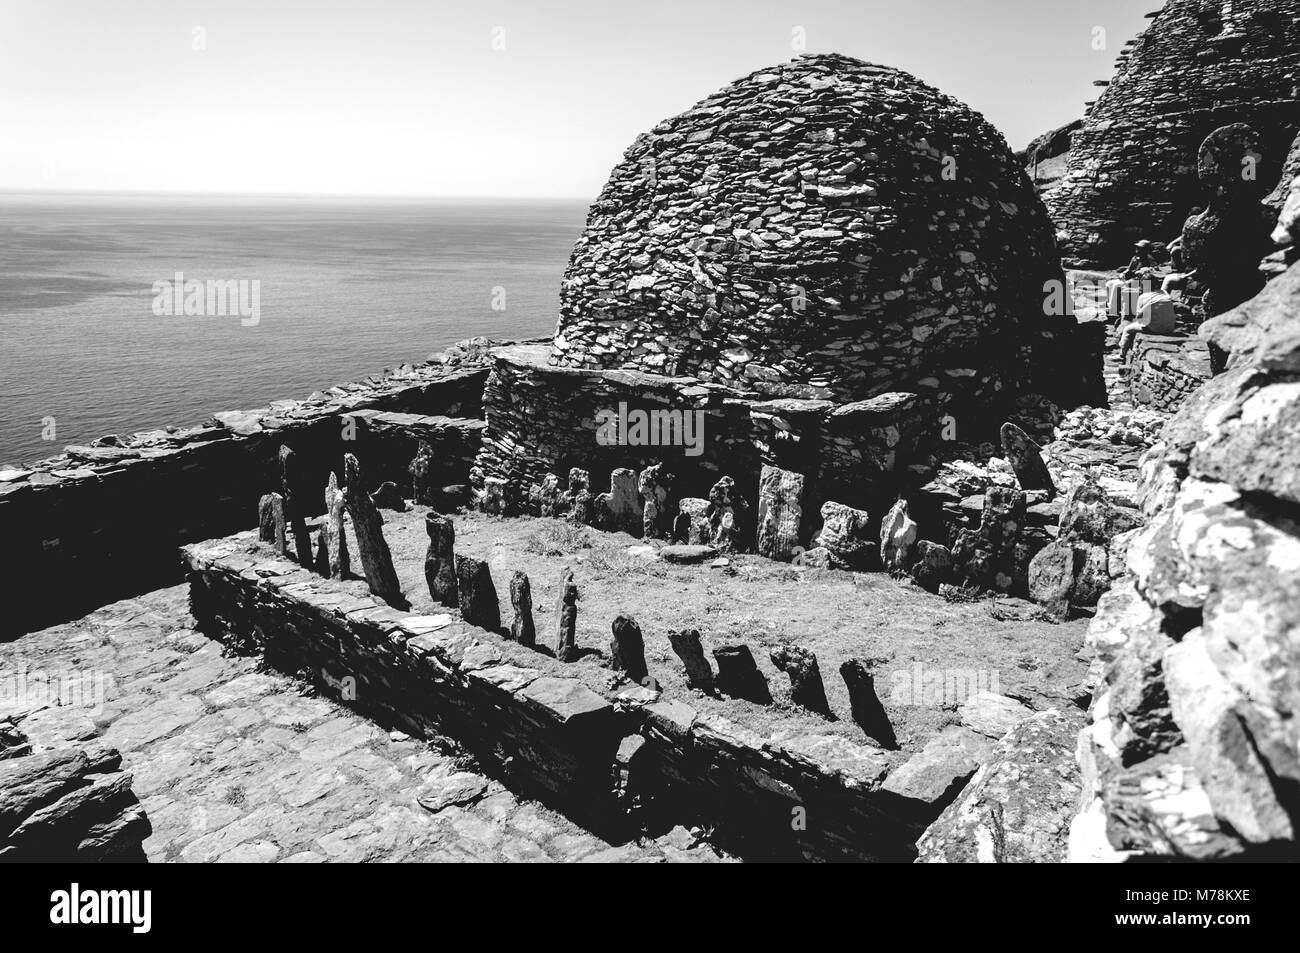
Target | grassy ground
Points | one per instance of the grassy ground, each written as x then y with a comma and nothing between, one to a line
838,615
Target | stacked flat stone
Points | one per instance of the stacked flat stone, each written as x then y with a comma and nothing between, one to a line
822,228
1201,64
1191,752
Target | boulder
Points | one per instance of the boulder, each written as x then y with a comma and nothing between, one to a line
898,533
992,715
1018,806
933,565
845,538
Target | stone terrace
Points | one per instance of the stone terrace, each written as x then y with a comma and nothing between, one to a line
233,763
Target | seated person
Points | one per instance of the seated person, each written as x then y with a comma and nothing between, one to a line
1155,315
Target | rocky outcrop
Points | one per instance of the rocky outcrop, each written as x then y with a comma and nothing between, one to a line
742,242
68,804
1192,747
1018,806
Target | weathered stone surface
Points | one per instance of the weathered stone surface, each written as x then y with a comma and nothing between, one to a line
728,516
620,510
1226,241
845,538
867,711
1026,458
988,557
788,288
806,688
1235,747
738,675
933,566
389,497
627,649
686,643
1196,66
693,527
567,619
294,513
686,555
476,593
1088,514
898,533
578,501
992,715
271,527
332,528
656,486
780,512
367,525
935,774
1018,807
522,629
1142,724
440,560
424,485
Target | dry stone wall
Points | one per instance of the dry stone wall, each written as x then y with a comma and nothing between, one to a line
1192,748
1162,371
825,228
1200,65
102,522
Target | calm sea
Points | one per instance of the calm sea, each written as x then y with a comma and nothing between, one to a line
346,288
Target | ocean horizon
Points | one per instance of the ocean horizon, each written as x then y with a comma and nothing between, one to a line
343,286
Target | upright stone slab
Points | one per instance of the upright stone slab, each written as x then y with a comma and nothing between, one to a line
627,649
566,649
290,481
440,561
738,675
578,499
545,499
659,511
522,629
867,711
1026,459
336,541
477,594
620,509
270,522
898,534
780,512
367,524
728,516
806,688
933,565
845,538
423,486
686,643
693,527
321,566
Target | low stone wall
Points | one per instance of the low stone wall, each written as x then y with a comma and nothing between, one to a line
543,419
69,804
102,522
548,734
1163,370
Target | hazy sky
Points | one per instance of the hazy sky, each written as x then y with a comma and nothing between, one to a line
410,97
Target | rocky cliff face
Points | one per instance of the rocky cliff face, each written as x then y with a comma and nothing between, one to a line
824,228
1193,750
1201,64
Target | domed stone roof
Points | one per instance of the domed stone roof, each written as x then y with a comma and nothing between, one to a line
822,228
1201,64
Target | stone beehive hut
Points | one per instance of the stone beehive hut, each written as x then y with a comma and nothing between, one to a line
825,228
1200,65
